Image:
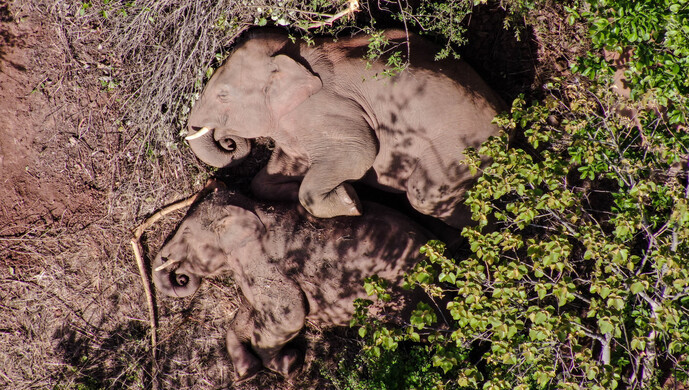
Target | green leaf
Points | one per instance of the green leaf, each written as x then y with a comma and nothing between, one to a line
605,326
617,303
636,287
413,336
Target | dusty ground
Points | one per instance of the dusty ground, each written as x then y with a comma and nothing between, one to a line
73,185
72,310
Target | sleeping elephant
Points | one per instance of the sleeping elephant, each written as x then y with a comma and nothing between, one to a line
289,266
335,120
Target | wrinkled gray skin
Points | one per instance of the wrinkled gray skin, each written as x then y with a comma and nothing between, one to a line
335,121
289,266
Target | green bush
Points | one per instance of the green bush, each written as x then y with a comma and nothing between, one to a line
406,367
581,279
657,35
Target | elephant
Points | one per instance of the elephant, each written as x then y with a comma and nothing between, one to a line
335,119
289,267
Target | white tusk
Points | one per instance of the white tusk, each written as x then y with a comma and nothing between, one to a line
198,134
166,264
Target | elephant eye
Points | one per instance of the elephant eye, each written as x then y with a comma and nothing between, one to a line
225,95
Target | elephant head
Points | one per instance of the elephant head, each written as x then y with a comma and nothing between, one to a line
245,98
171,279
211,240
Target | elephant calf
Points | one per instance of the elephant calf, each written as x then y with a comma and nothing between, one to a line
335,119
288,265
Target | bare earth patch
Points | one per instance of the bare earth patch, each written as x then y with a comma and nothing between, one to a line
45,184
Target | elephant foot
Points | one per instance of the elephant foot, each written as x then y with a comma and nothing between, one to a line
349,198
287,362
246,367
341,201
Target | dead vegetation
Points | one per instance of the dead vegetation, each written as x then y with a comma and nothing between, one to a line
103,90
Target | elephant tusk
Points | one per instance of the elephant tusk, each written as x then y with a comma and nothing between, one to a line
166,264
198,134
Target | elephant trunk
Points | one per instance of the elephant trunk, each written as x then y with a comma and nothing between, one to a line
174,283
216,149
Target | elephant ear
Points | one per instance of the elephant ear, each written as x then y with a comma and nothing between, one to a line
238,222
289,85
238,227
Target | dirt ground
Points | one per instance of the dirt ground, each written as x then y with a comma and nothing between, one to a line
73,186
72,311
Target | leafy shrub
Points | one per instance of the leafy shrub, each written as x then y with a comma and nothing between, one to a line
581,279
584,282
406,367
657,35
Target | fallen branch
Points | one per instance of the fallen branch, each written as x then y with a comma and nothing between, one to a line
211,185
352,8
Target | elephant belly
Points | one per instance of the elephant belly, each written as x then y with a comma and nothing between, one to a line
330,305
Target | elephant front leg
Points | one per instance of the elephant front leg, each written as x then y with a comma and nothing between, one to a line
341,200
280,178
278,316
325,191
275,186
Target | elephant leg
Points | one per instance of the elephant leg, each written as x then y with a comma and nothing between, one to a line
280,178
245,363
278,316
340,200
275,186
341,147
325,192
438,190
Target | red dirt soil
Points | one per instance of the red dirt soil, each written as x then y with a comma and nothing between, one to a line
45,181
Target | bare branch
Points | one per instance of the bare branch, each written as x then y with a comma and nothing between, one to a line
352,8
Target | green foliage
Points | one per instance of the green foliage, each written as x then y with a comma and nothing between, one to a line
656,33
441,18
569,291
581,277
304,15
392,357
407,367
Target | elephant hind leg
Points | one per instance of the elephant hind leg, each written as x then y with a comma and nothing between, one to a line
439,194
246,363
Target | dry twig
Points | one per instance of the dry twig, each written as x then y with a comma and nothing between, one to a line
211,185
352,8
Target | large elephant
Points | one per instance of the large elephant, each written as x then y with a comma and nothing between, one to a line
335,120
289,266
